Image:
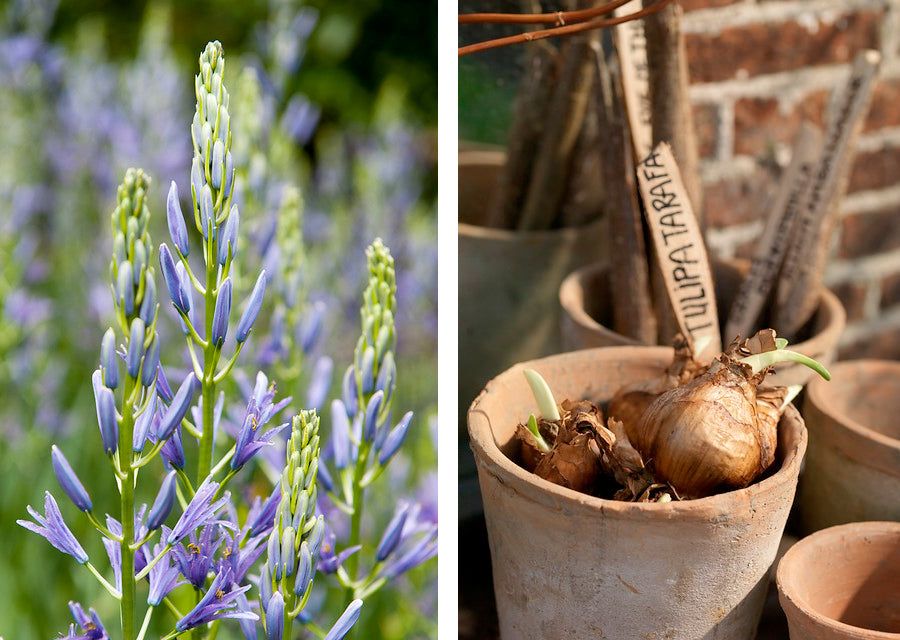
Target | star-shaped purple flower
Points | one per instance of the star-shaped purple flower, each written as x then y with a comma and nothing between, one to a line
52,526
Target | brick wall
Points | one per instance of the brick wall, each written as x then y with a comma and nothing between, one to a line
758,68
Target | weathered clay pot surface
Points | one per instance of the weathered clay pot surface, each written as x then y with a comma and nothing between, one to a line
853,465
586,317
567,565
843,582
508,281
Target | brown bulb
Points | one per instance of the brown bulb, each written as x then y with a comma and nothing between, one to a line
705,436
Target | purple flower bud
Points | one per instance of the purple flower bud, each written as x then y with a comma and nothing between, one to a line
148,303
173,450
317,391
185,287
125,287
69,481
371,420
229,173
287,551
139,262
106,413
340,434
252,309
218,164
135,348
392,533
395,439
265,519
387,375
305,570
177,410
108,362
367,369
163,504
275,617
173,282
274,557
175,218
312,328
207,214
228,237
348,390
265,584
222,311
163,390
196,177
151,362
316,537
142,426
343,625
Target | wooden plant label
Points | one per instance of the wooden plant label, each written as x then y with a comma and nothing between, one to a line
631,45
679,248
799,285
760,280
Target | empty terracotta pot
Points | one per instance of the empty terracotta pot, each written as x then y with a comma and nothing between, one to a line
568,565
585,297
853,465
508,280
843,582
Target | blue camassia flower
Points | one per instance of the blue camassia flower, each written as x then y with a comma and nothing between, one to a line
52,526
90,624
260,410
220,601
200,511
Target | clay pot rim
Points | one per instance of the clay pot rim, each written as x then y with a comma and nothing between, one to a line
832,316
816,393
492,460
787,590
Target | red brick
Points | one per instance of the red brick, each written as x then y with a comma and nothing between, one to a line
884,345
740,200
759,123
706,128
852,295
768,48
890,291
883,111
693,5
875,170
865,234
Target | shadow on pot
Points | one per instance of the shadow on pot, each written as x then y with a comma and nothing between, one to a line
853,464
843,582
569,565
586,317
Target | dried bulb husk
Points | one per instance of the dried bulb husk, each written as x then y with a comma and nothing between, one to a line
705,436
574,459
629,403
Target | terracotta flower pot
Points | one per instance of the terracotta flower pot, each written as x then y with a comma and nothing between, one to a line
853,466
568,565
585,293
508,280
843,583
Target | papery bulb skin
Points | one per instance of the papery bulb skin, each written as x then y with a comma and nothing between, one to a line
705,436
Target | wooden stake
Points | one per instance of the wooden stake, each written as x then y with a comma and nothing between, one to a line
679,248
560,131
673,118
800,282
757,286
633,314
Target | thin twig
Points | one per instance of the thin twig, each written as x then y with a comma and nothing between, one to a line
558,18
561,31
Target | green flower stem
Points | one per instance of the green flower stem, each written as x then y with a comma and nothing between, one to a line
146,623
289,604
356,523
126,435
204,463
103,581
99,526
144,459
221,463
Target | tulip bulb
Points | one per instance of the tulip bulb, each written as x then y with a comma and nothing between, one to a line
716,432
